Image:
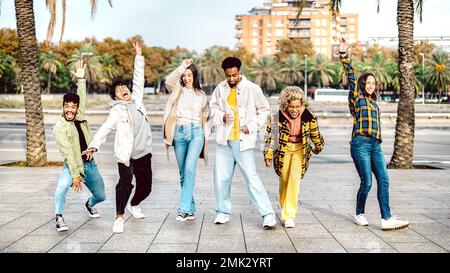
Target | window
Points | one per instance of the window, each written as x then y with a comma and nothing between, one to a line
324,22
255,41
279,32
255,33
268,51
279,23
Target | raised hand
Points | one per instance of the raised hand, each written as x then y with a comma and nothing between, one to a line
343,45
188,62
80,70
137,46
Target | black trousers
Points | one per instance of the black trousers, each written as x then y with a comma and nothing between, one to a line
141,168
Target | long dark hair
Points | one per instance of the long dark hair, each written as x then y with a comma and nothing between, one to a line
362,84
196,81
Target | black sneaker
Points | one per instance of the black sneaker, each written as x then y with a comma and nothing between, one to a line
60,225
190,216
182,216
92,211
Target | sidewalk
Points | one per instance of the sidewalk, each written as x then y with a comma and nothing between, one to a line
324,224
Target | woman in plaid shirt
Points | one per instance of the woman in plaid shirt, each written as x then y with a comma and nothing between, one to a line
366,144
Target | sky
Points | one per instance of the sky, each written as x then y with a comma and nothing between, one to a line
198,24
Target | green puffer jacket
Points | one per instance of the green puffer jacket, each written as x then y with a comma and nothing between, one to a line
66,135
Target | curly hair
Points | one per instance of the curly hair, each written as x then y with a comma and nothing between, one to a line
289,94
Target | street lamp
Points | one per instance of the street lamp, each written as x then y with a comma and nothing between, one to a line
423,77
306,80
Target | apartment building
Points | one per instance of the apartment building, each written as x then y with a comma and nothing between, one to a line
260,29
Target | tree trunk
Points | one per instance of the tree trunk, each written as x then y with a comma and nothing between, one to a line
49,82
28,49
404,129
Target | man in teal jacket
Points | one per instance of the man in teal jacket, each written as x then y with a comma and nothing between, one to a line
72,134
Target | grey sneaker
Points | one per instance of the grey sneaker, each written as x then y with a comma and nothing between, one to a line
92,211
60,224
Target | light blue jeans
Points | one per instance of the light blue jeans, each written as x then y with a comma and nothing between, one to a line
227,156
188,144
93,181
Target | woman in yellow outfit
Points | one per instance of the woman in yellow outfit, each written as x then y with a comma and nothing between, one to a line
288,140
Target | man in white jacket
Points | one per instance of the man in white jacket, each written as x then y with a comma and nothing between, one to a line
132,144
238,108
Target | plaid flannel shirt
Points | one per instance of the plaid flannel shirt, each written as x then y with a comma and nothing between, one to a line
365,111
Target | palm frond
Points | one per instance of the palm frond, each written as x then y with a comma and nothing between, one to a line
419,8
334,7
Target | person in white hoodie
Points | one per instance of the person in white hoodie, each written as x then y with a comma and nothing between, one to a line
238,109
132,144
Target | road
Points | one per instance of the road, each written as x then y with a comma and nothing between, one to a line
432,144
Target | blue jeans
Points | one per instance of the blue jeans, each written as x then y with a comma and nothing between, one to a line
93,181
368,157
188,144
227,156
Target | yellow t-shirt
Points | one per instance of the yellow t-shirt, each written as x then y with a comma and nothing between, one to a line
232,102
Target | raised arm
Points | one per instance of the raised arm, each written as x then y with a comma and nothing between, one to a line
138,74
173,79
348,69
81,87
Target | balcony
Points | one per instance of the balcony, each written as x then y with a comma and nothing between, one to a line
238,26
299,35
238,36
238,17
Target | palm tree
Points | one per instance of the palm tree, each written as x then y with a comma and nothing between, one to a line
320,71
210,67
292,70
265,71
92,62
419,80
7,71
29,71
440,74
28,58
109,70
405,125
50,63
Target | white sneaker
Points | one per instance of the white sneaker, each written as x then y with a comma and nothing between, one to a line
221,218
289,224
118,225
360,220
393,224
269,221
136,211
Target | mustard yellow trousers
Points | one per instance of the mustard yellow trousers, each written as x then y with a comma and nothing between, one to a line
290,180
